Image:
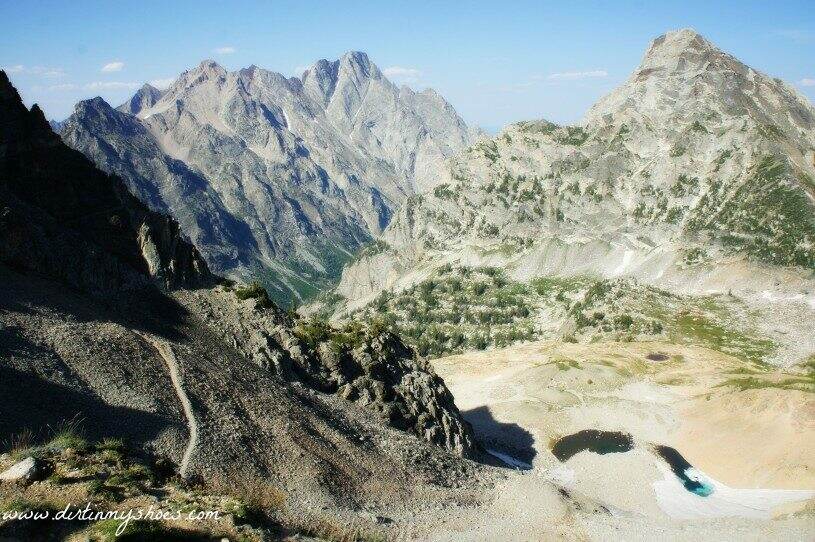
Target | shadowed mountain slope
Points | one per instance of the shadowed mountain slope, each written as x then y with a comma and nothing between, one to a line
110,318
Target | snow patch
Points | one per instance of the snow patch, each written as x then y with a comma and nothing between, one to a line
679,503
509,460
627,257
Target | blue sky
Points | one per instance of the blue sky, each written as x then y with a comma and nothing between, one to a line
496,62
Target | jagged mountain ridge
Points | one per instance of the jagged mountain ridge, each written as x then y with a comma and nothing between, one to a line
283,178
696,174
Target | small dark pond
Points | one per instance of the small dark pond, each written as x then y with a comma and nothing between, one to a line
610,442
599,442
680,467
657,356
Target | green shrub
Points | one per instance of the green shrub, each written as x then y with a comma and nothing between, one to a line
130,477
313,331
68,437
113,444
698,127
443,191
98,488
623,321
255,291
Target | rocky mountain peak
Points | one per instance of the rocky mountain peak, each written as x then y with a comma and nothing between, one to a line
96,103
209,64
321,77
95,110
685,52
677,43
683,75
321,70
144,98
357,59
322,66
207,70
356,66
148,90
211,69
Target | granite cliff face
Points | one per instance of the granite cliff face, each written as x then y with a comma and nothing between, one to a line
695,175
275,179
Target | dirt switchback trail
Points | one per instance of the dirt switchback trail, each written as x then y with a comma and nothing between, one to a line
166,352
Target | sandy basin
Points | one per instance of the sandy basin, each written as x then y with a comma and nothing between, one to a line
756,447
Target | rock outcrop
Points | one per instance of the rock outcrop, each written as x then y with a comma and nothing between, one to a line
24,471
277,179
365,364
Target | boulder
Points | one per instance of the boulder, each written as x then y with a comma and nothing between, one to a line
27,470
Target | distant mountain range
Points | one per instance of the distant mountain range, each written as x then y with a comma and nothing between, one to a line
695,175
277,179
